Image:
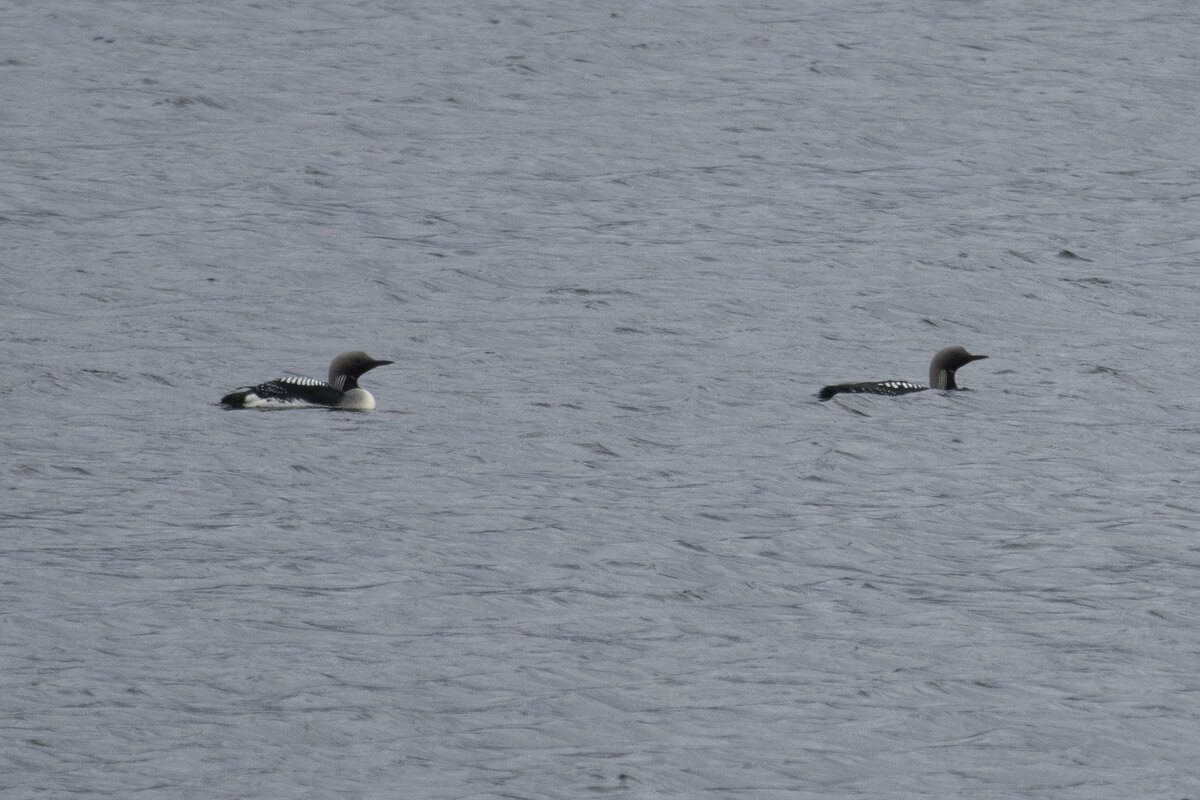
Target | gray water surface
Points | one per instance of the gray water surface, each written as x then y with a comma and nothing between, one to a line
599,538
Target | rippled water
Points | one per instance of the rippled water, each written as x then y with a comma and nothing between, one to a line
600,538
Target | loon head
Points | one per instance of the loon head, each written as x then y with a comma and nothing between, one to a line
945,363
346,369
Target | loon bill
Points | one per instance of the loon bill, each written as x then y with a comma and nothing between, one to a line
941,376
341,391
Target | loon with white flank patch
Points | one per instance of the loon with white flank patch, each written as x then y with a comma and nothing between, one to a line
941,376
341,392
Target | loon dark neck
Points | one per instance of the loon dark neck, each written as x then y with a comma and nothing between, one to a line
344,383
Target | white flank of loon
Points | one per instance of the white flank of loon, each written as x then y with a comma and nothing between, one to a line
342,391
941,376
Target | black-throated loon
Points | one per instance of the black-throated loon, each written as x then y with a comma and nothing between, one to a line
342,391
941,376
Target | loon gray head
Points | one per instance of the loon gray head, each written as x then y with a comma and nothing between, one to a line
347,368
941,376
341,392
945,363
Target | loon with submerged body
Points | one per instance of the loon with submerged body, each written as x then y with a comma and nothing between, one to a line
341,391
941,376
